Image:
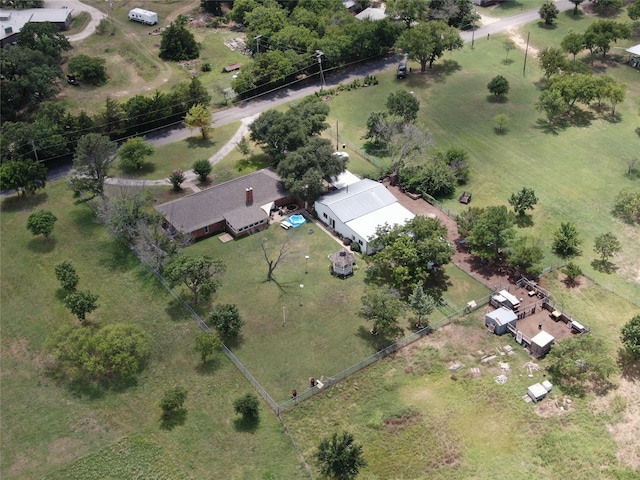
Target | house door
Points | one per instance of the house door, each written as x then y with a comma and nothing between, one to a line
333,223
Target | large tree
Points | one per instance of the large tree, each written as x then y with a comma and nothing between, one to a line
552,60
44,37
382,307
93,157
41,223
177,42
627,204
339,457
601,33
123,212
573,43
633,10
580,362
198,273
491,232
23,176
427,42
305,170
409,11
410,252
114,352
566,241
30,78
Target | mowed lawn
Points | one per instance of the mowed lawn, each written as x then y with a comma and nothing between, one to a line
576,171
305,323
49,431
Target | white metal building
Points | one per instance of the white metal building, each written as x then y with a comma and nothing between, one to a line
356,211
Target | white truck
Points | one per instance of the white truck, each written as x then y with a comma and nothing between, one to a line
143,16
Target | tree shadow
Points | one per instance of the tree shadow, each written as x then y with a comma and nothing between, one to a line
612,118
447,67
581,118
145,168
374,148
629,366
176,311
497,99
117,257
246,424
199,142
508,61
500,130
548,127
604,266
41,244
14,203
569,15
169,421
546,26
207,368
254,162
524,221
378,341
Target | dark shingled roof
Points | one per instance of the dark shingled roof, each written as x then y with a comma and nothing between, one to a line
224,201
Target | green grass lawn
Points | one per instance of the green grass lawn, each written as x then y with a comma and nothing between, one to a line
49,431
181,155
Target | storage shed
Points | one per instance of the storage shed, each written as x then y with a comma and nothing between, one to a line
342,263
506,299
537,392
541,344
499,320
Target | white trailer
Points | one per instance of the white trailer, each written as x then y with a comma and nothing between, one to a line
143,16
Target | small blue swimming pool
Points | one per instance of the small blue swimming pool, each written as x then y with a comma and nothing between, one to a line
296,220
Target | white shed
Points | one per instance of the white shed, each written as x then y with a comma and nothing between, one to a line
541,344
537,392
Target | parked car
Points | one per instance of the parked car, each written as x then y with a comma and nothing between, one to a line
402,71
72,80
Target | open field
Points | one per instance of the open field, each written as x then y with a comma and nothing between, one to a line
49,431
413,419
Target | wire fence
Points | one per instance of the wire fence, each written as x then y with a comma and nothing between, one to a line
319,387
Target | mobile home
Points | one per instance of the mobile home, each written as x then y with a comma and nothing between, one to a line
143,16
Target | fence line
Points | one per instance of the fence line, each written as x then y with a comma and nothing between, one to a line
310,392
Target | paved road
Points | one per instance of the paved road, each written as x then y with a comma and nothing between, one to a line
252,108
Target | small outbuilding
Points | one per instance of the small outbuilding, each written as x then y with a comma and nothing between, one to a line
342,263
541,344
499,320
506,299
537,392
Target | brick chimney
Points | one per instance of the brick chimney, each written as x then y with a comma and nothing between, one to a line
249,192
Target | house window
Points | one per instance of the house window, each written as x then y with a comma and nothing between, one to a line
360,242
324,214
206,229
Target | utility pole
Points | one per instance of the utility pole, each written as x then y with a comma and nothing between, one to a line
284,315
525,54
257,38
320,54
337,138
473,30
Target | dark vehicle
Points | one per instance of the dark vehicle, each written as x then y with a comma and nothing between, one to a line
465,197
72,80
402,71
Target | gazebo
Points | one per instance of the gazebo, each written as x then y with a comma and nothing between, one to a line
342,263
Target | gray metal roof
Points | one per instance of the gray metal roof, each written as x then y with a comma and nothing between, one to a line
212,205
358,199
502,316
